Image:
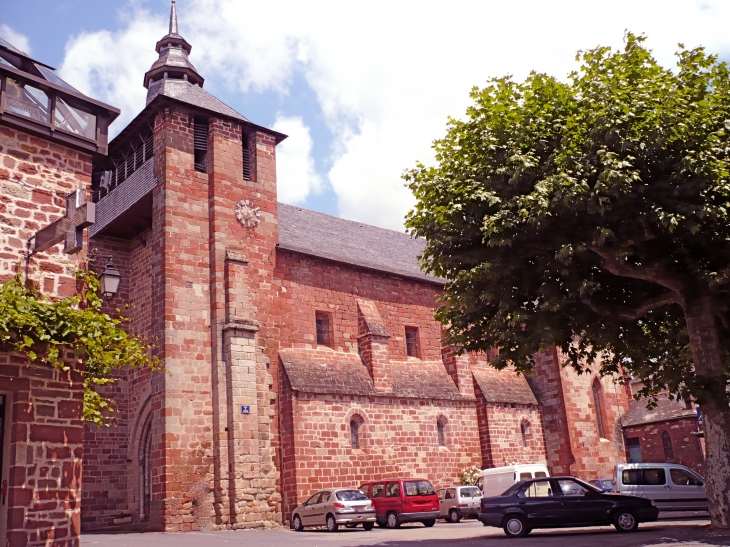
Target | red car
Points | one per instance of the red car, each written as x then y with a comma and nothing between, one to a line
403,500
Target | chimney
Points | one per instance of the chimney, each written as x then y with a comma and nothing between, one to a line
372,341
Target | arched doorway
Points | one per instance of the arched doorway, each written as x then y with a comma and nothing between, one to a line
145,471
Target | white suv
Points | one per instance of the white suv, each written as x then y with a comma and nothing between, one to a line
673,487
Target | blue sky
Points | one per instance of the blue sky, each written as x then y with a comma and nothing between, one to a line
362,88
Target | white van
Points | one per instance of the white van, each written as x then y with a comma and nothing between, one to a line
496,480
673,487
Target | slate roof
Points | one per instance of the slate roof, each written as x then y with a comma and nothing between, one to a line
324,370
665,410
349,242
194,95
504,386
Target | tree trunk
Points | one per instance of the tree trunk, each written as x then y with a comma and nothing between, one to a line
704,341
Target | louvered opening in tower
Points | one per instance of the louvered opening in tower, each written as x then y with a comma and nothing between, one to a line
246,160
200,144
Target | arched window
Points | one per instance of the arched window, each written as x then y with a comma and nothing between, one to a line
354,433
667,442
599,409
441,431
525,431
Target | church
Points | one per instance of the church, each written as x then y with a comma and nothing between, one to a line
300,349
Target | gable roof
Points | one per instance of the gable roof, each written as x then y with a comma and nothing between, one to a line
324,236
664,411
503,386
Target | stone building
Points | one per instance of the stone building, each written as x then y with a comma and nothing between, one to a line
670,432
301,350
50,135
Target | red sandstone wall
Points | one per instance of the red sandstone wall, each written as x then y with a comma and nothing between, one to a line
686,446
398,439
503,421
571,432
45,421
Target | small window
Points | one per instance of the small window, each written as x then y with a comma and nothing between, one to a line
412,348
246,160
392,490
325,497
524,432
354,434
314,500
200,145
27,101
540,475
441,431
571,488
680,477
537,489
667,443
634,448
365,489
655,477
377,490
324,329
450,494
599,409
525,476
73,120
632,477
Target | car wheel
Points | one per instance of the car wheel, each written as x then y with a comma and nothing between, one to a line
367,526
515,527
392,520
454,516
332,525
625,521
296,523
428,523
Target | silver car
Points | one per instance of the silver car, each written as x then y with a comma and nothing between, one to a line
335,506
459,501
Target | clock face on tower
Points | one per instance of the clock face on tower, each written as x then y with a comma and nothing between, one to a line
247,214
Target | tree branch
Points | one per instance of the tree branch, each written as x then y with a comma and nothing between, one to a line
614,264
628,313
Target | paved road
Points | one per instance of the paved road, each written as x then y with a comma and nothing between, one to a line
668,533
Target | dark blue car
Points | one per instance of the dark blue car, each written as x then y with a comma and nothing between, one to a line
604,484
558,502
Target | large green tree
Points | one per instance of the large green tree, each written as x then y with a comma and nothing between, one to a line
592,214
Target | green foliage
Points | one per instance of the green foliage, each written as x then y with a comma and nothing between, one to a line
469,475
44,329
590,214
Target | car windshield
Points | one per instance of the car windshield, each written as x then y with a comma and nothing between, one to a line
351,495
471,492
418,488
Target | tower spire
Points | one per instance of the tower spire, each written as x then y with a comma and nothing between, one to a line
173,19
173,63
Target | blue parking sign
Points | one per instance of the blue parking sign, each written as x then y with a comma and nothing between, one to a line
245,409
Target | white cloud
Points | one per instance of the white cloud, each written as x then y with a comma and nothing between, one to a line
296,176
386,74
16,39
110,65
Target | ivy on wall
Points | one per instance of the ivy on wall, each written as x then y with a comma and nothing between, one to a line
44,329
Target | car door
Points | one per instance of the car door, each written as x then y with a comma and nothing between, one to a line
580,504
440,493
307,512
376,494
392,501
656,486
538,503
319,513
688,490
449,500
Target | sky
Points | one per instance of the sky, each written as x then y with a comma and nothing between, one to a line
361,88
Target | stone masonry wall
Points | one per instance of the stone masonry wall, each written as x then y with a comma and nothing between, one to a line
398,438
686,447
44,420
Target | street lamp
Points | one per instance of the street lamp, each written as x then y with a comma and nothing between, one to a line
108,279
